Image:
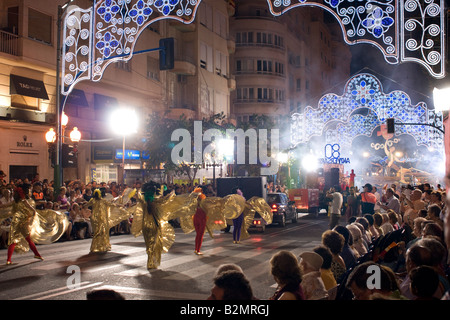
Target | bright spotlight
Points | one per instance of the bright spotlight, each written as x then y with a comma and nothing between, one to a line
309,163
441,99
123,121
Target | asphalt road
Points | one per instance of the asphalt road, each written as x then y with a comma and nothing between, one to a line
69,271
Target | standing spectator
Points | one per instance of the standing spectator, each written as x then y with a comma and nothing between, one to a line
413,205
287,274
353,205
231,285
325,271
312,284
392,202
434,212
335,242
367,199
336,205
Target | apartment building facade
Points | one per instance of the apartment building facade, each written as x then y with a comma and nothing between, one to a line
198,86
283,64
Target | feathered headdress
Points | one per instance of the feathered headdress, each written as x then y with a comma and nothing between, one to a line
97,194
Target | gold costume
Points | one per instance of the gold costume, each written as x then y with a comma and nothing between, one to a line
44,226
105,215
154,224
219,210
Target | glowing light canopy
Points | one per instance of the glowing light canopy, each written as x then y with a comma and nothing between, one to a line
404,30
340,120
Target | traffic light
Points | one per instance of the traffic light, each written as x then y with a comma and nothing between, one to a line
166,54
69,156
390,125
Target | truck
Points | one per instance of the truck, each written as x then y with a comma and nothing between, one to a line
306,200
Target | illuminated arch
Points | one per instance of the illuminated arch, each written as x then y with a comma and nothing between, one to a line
404,30
338,120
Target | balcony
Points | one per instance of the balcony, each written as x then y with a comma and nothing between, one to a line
184,67
9,43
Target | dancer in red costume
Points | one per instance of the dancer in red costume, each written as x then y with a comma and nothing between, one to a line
23,213
199,222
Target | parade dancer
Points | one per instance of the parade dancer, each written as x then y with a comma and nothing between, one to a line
237,223
22,213
199,222
105,215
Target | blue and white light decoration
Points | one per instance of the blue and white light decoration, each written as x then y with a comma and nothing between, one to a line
404,30
107,32
337,118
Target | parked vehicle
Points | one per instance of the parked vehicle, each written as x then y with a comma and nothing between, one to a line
282,208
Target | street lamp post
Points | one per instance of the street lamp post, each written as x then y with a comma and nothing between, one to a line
57,173
123,121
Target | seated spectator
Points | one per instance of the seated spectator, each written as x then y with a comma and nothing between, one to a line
417,231
367,238
386,226
432,230
312,284
231,285
228,267
287,274
357,282
349,254
104,294
372,229
393,219
335,242
325,271
424,283
438,261
80,224
357,240
423,213
377,223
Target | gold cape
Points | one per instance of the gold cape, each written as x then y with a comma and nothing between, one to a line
105,215
44,226
219,210
158,234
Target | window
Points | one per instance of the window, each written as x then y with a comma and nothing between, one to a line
39,26
206,57
221,64
206,14
299,84
152,68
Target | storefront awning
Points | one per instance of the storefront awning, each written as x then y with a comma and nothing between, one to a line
27,87
76,97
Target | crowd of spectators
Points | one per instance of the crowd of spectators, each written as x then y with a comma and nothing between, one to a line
401,233
70,200
397,234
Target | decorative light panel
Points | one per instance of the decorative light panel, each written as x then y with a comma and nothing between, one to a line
404,30
107,32
340,118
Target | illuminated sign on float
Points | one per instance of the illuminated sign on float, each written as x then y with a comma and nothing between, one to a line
333,155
